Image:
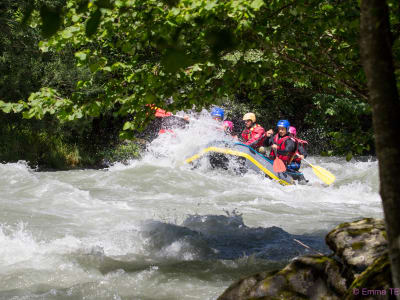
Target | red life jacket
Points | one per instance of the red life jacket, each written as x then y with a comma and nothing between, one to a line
161,113
248,133
280,141
298,142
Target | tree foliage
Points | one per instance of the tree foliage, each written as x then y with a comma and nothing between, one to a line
198,52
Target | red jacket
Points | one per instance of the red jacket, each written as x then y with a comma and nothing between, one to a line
254,136
286,148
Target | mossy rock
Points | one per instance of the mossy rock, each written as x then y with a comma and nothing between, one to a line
242,288
308,277
358,243
374,283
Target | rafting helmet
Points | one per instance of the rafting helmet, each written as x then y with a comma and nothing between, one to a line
228,125
283,123
217,112
292,130
249,116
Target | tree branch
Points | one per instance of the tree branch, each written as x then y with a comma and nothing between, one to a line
320,72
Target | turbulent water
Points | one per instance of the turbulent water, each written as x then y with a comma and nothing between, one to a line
157,229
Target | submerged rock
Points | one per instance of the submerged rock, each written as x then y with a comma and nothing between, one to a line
359,268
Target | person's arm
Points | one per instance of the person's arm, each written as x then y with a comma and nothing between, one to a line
269,141
302,150
258,133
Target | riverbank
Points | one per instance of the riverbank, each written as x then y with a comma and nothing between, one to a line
46,151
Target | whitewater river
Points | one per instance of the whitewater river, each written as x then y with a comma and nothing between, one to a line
156,229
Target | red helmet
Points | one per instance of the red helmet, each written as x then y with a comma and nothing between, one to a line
292,130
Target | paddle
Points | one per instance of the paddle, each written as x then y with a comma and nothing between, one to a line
279,165
322,174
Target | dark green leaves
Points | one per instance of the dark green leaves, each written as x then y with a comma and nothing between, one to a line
82,6
51,20
174,59
27,13
171,3
220,40
103,4
93,23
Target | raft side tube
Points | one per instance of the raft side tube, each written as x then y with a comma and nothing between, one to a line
254,161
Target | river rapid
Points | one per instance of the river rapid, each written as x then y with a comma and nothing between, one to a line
155,228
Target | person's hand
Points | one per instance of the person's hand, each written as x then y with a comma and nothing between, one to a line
300,156
186,118
270,132
274,146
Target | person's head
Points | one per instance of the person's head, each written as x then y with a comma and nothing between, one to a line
228,126
283,127
249,119
217,113
292,130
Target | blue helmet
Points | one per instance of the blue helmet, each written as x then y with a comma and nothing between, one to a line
217,112
283,123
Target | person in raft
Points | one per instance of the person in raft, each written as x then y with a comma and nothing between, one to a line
254,135
300,153
165,121
282,143
217,113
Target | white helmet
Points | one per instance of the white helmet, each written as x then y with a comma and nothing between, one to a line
249,116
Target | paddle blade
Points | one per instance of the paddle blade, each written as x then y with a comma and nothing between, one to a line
323,174
279,166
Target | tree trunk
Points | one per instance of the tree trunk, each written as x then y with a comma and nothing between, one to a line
376,54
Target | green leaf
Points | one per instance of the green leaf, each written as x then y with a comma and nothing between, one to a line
7,107
327,7
94,67
93,23
28,114
127,125
256,4
66,34
81,56
79,114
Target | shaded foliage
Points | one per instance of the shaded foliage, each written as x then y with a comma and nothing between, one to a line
128,54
